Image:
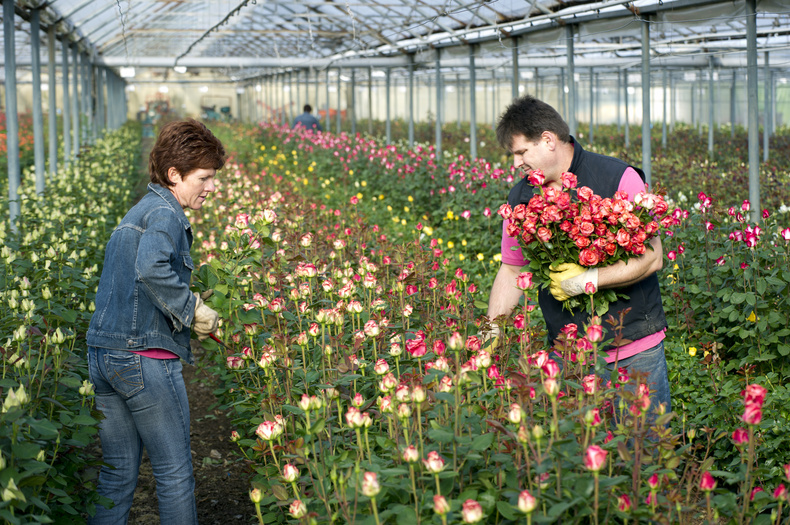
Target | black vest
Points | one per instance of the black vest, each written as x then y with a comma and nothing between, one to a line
601,174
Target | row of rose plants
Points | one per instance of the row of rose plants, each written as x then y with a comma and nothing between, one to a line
352,361
466,191
25,135
48,425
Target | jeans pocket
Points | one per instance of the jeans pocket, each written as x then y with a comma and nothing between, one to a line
124,372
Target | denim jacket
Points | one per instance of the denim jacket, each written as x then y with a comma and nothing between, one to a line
143,300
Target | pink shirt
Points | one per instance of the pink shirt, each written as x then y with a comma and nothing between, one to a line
156,353
632,184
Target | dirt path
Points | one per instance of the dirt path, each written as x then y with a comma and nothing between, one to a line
221,484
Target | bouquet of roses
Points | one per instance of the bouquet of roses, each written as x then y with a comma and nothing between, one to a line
574,225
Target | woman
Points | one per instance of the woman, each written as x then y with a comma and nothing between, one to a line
141,327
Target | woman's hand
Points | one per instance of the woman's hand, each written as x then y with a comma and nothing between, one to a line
206,319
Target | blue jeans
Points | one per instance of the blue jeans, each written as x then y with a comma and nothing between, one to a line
144,402
653,362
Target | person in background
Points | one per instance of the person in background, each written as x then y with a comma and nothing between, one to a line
307,120
140,330
539,139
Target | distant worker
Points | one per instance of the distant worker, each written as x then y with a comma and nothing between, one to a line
307,120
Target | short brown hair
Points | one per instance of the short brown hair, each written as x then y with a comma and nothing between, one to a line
530,117
186,145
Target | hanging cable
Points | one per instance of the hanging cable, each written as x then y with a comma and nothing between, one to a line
233,12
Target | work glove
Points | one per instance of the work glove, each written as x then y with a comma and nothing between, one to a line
492,334
569,280
206,320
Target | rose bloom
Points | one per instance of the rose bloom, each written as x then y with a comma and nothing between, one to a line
539,358
434,463
526,502
370,484
514,414
590,384
653,482
381,367
290,473
595,333
787,471
440,505
752,415
594,458
780,492
588,257
471,511
551,386
551,368
754,394
268,430
740,436
524,281
623,503
411,454
297,509
706,482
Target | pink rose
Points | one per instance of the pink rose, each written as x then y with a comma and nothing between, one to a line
568,179
524,281
472,512
584,193
544,234
536,178
440,505
623,503
752,414
526,502
594,458
588,257
740,436
706,482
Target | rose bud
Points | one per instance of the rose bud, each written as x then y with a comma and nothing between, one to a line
526,502
440,505
594,458
471,512
297,509
290,473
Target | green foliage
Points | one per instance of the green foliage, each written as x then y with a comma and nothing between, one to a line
50,273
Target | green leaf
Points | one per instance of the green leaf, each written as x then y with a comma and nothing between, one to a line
483,441
440,436
737,297
506,510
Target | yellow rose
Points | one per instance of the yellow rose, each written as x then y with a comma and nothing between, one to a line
411,199
752,317
692,351
450,245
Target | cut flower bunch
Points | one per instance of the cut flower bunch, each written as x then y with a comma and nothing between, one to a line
574,225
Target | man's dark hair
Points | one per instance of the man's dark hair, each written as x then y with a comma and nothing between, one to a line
186,145
308,108
530,117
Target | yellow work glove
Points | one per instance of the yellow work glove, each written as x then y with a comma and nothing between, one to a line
206,320
569,280
492,335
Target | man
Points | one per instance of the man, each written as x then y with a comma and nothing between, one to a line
539,139
307,120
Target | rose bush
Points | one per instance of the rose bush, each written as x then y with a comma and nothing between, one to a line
355,354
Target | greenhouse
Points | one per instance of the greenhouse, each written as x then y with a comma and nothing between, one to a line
401,306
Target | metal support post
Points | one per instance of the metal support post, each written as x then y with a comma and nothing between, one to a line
12,123
38,113
571,115
472,105
753,126
439,94
646,143
52,120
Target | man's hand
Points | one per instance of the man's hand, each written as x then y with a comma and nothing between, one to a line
206,319
569,280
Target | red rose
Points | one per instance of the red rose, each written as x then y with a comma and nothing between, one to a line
551,194
588,257
568,179
638,249
550,214
632,222
536,178
566,226
660,207
752,414
610,248
651,228
512,229
586,228
505,211
640,236
623,237
584,193
582,242
519,212
527,238
564,201
544,234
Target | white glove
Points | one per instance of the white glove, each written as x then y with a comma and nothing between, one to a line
206,320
